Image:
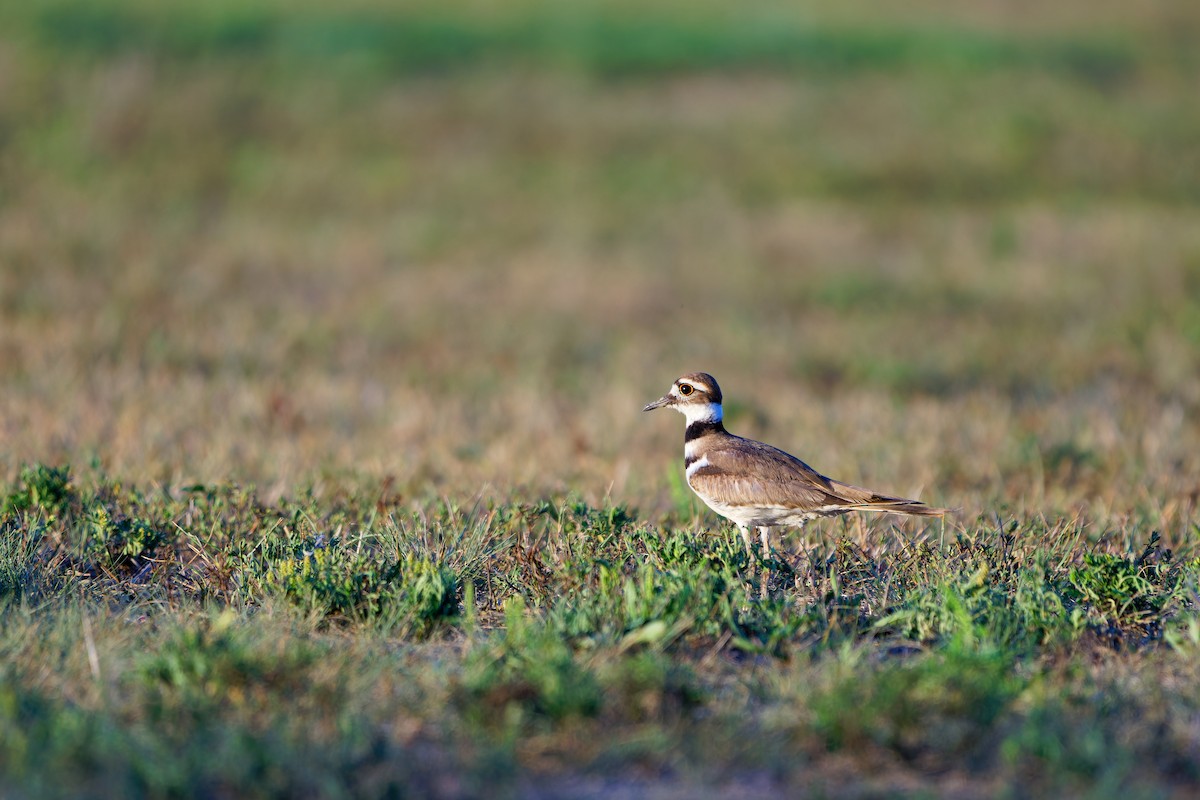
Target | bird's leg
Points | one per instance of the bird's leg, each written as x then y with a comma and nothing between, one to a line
764,533
745,531
802,569
750,563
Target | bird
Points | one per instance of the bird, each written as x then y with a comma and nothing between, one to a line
753,484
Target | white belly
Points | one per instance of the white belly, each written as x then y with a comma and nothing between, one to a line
757,516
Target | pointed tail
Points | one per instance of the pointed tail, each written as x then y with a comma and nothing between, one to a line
896,505
860,499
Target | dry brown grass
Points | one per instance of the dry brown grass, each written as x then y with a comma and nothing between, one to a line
976,287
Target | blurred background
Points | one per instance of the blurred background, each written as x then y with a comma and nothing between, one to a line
937,248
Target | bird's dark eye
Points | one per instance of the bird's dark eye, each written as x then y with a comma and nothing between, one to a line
685,389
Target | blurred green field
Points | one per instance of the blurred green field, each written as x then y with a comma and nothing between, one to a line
342,318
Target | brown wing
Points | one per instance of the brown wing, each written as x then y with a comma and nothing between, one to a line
752,473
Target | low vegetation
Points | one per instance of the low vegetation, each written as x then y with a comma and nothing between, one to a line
203,641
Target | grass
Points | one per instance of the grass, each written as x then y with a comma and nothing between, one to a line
605,39
322,647
325,335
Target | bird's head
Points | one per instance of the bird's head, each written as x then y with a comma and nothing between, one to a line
695,395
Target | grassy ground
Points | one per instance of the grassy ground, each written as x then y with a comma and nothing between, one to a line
323,337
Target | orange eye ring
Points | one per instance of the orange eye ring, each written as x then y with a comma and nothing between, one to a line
685,389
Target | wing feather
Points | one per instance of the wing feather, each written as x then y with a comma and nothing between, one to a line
748,473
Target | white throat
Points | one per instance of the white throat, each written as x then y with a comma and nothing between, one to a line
700,412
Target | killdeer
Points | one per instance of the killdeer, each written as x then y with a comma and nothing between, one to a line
756,485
